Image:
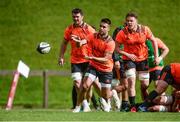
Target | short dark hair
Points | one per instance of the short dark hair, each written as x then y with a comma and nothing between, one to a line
106,20
77,10
132,14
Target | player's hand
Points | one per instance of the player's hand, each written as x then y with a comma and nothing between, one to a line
61,61
88,57
158,60
177,94
83,41
132,57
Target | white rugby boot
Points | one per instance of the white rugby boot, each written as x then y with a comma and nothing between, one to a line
104,105
77,109
85,105
116,99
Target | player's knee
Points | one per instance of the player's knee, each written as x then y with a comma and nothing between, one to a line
105,85
130,73
85,87
91,76
144,76
144,86
77,76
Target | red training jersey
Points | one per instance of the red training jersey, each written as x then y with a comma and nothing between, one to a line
175,71
99,47
82,32
134,42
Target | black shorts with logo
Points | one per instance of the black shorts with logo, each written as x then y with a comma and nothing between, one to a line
81,67
104,77
139,66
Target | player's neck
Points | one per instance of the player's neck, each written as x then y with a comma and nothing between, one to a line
104,36
134,29
79,25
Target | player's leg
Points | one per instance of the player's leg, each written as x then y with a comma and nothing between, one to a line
144,81
97,87
88,79
160,108
163,100
166,78
143,73
77,77
105,80
130,73
74,96
125,100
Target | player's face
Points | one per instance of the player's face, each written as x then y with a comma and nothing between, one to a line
104,28
131,22
77,18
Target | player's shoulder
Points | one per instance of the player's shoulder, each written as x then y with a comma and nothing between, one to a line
145,27
110,40
69,27
89,28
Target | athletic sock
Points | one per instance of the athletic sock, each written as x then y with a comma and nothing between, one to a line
132,100
74,97
124,103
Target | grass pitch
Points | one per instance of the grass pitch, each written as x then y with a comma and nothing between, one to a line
67,115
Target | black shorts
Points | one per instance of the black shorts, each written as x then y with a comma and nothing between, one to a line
104,77
81,67
154,75
139,66
166,75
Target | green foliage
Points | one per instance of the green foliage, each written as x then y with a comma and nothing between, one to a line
25,23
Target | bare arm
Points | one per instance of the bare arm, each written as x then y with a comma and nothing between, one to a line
78,41
165,51
104,59
118,50
154,42
62,51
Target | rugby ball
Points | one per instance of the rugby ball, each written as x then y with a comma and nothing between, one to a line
43,47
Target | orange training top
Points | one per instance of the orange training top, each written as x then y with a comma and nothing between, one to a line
82,32
175,71
134,42
99,48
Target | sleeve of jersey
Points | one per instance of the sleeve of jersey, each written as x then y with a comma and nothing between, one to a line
67,34
148,32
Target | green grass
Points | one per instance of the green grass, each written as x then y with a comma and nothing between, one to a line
66,115
25,23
